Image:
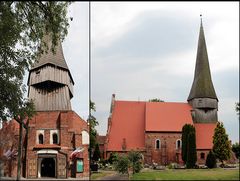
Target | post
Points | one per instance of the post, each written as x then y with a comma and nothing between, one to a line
19,151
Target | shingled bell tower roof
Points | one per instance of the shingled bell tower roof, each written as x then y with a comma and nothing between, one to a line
54,58
202,86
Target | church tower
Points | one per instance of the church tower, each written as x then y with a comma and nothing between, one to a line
202,96
50,81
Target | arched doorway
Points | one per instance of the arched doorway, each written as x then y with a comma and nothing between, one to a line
48,167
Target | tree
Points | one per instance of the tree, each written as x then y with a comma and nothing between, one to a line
155,100
237,108
221,144
121,164
93,132
22,26
96,153
134,158
191,149
236,149
185,131
112,158
211,160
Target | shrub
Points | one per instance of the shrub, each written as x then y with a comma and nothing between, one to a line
135,161
121,164
211,160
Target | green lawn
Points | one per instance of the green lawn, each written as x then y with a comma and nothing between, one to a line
188,174
100,174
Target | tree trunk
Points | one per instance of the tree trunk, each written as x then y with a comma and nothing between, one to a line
19,152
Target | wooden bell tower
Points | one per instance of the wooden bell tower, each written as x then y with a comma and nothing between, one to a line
50,82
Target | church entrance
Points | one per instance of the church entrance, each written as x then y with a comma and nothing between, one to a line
48,167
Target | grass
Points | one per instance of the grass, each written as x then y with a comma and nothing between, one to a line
189,174
100,174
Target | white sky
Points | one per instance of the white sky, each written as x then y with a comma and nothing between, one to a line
144,50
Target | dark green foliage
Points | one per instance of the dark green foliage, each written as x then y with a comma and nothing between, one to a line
185,131
237,108
96,153
191,149
121,164
211,160
155,100
113,157
135,161
22,26
221,144
236,149
93,132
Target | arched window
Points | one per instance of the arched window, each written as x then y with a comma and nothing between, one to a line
40,138
202,155
158,144
55,138
178,144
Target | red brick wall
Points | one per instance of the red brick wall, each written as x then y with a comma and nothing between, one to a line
158,155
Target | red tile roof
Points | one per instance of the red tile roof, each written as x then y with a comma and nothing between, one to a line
127,122
204,134
167,116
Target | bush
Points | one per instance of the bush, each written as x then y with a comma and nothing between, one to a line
211,160
135,161
121,164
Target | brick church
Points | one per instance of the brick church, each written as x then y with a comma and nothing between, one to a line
154,128
58,138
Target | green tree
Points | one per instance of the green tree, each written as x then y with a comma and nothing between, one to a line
236,149
221,144
134,158
237,107
96,153
93,132
121,164
185,131
191,149
155,100
211,160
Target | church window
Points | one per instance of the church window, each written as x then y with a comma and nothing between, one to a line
55,138
202,155
40,138
158,144
178,144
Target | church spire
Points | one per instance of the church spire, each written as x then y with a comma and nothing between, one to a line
202,86
56,58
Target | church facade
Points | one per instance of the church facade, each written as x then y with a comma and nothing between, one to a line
57,142
154,128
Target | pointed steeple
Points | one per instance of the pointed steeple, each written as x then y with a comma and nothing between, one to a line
56,58
202,86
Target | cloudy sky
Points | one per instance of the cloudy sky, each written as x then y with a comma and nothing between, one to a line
144,50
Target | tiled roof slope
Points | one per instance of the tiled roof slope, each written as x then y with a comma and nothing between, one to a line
204,135
167,116
127,122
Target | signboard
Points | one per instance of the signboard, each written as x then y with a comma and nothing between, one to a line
79,165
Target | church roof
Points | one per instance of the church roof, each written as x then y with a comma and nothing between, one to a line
56,58
132,119
204,135
127,123
167,116
202,84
